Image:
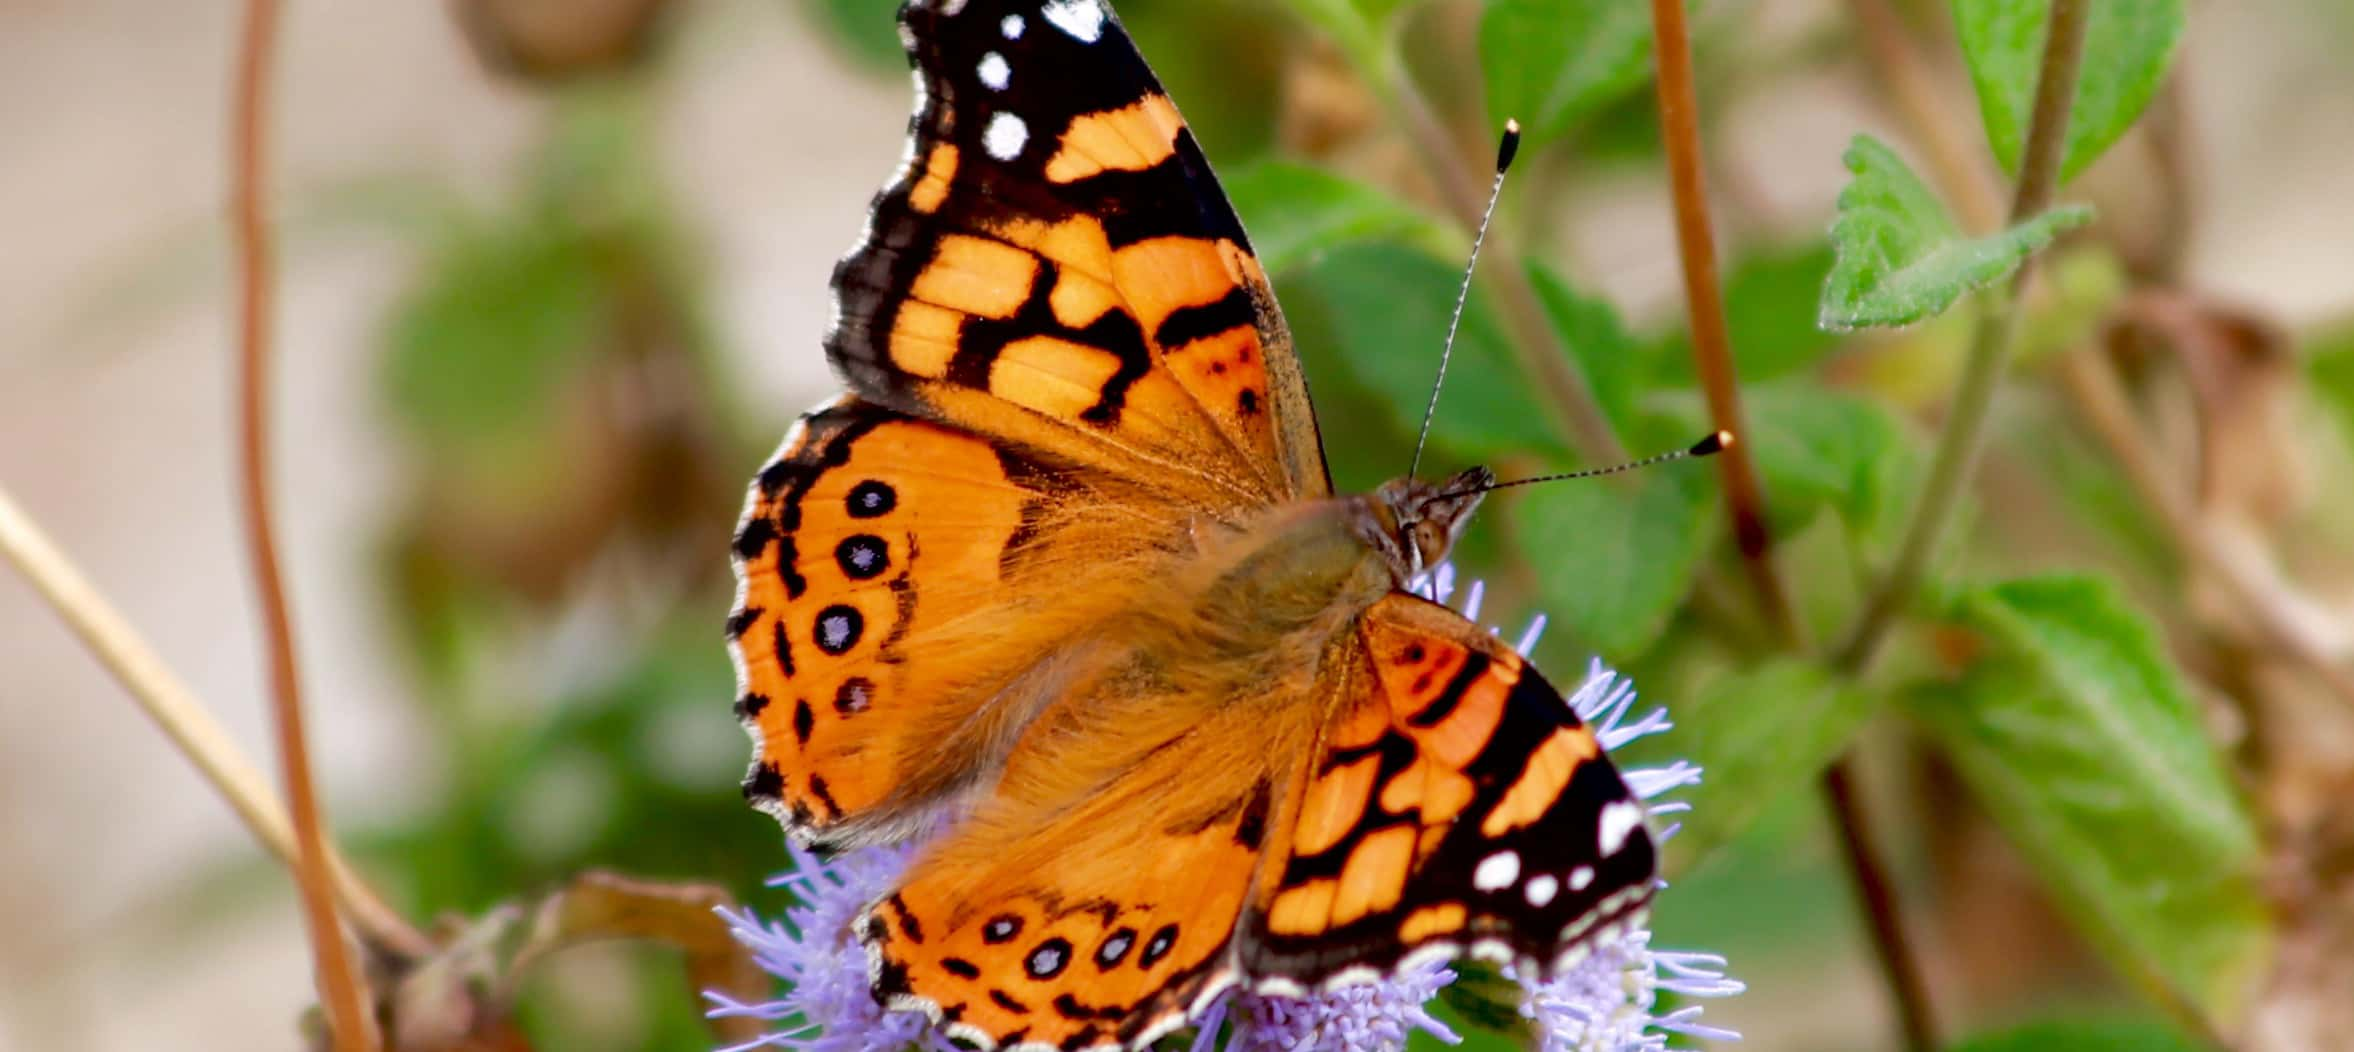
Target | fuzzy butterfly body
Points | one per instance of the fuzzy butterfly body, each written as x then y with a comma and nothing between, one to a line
1061,587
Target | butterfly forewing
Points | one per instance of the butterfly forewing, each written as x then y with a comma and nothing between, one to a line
1056,266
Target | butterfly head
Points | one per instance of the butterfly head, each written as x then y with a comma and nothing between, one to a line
1414,523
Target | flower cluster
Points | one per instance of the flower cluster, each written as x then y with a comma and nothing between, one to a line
1609,1002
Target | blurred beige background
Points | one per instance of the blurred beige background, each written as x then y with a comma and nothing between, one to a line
114,430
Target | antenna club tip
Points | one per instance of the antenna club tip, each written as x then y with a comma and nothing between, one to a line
1715,443
1510,146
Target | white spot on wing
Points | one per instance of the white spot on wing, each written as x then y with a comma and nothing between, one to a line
1082,19
1618,820
1006,136
1542,888
1581,878
1012,27
1496,871
994,72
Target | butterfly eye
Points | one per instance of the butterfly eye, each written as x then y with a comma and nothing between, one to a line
1430,543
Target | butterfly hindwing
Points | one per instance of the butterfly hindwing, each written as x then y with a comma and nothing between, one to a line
1454,803
1055,266
1092,903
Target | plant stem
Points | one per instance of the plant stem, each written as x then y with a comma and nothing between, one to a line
186,720
348,1016
1679,118
1900,968
1999,321
1712,353
1538,346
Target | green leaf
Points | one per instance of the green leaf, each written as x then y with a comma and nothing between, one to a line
1296,212
1551,63
1900,258
1606,353
2077,734
1760,734
1614,561
1818,448
2127,45
2091,1035
1387,307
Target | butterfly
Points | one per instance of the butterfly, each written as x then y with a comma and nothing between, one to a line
1061,587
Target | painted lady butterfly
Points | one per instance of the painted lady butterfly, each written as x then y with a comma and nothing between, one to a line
1062,584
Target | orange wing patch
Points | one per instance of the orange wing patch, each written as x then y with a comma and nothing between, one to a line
1129,139
867,532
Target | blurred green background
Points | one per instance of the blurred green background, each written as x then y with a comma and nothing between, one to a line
556,275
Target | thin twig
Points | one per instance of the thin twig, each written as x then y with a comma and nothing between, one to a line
1999,321
339,981
1679,118
1900,968
185,719
1712,347
1542,354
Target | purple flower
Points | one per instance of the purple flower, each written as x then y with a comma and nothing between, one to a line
1607,1002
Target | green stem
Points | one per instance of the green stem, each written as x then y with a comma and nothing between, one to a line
1999,322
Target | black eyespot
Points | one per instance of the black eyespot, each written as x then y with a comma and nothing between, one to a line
1415,654
856,695
1115,948
1158,946
1248,402
1001,928
838,628
863,557
872,500
1048,959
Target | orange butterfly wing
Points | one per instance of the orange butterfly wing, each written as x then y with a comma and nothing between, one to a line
1056,267
877,557
1100,928
1454,803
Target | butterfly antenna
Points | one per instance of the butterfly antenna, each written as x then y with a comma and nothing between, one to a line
1504,152
1710,446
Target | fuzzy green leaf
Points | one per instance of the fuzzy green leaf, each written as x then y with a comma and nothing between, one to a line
1551,63
1296,212
2078,735
2127,46
1760,734
1900,259
1613,562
